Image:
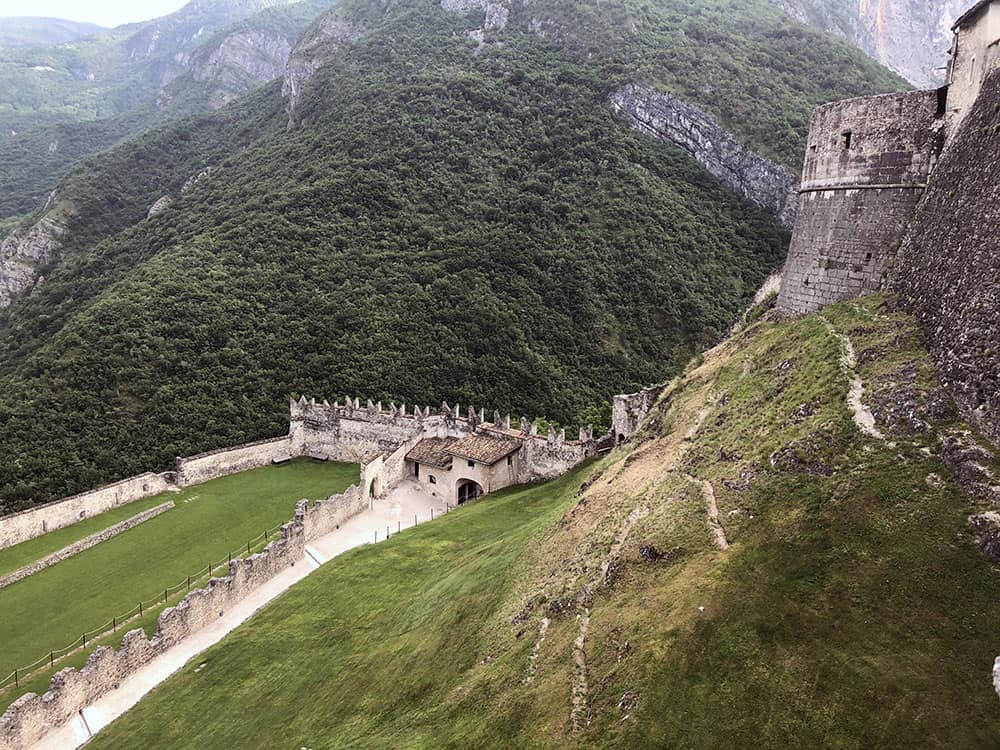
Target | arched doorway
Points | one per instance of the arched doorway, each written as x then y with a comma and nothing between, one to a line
375,488
468,490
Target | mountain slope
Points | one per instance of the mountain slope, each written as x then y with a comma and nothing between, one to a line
602,611
911,38
443,222
63,103
27,31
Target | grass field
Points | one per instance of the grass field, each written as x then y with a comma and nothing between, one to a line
51,608
851,610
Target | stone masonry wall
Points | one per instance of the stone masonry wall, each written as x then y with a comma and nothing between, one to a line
629,409
226,461
28,524
31,716
77,547
325,516
867,163
947,270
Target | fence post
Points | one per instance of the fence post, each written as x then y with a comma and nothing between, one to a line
164,596
114,624
189,583
248,546
51,658
229,558
85,640
16,683
399,526
140,609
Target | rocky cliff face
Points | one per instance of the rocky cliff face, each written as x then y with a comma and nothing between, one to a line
947,270
240,62
27,248
665,117
311,51
910,37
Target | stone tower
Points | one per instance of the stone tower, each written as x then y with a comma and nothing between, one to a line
866,166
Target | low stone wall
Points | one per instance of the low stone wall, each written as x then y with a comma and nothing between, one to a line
31,523
327,515
30,717
629,409
77,547
226,461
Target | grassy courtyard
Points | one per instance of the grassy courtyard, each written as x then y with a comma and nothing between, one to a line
51,608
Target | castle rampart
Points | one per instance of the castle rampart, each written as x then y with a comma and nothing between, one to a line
867,164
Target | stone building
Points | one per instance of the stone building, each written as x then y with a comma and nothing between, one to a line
465,468
868,161
457,458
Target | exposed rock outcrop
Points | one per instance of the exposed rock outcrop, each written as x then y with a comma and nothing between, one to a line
241,62
312,50
666,117
160,205
28,248
910,37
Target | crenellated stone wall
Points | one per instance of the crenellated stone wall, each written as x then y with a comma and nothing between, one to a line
30,717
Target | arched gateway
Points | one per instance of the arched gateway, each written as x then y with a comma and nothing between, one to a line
468,490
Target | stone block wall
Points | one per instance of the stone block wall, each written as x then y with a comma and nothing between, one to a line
226,461
325,516
947,269
28,524
84,544
31,716
629,409
867,163
842,242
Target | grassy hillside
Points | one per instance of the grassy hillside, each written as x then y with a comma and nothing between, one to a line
51,608
850,609
442,225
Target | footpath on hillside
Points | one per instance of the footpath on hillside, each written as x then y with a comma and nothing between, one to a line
404,506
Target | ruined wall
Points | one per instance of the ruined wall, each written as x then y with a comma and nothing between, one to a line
629,409
867,163
553,456
34,522
226,461
31,716
84,544
947,270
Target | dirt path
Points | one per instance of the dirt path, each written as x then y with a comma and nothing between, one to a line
712,510
395,512
580,712
862,415
543,628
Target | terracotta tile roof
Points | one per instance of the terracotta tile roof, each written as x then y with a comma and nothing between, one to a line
486,449
433,452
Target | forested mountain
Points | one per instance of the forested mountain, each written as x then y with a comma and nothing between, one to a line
26,31
451,210
60,103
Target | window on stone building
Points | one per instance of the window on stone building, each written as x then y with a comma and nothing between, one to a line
431,478
472,464
868,257
510,460
847,139
972,70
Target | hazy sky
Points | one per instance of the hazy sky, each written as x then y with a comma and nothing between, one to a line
103,12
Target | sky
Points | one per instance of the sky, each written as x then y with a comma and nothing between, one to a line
102,12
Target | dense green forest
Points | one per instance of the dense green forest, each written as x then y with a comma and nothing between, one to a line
444,223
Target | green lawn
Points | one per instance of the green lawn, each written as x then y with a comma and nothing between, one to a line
364,646
51,608
21,554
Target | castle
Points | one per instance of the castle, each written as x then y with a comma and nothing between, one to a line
867,165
